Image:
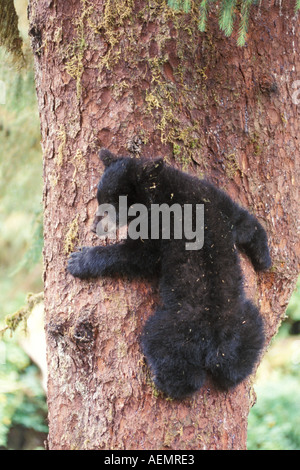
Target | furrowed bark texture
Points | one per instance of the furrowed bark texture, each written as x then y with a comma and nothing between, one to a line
139,78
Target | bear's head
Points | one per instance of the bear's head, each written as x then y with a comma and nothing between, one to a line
125,176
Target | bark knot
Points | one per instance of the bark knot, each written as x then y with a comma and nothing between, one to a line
84,332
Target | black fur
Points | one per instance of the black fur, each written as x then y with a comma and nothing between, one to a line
204,324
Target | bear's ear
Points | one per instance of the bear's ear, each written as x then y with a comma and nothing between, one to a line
150,169
107,157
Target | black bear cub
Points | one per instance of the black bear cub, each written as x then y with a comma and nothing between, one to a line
204,324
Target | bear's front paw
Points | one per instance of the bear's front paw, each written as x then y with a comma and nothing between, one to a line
79,263
262,262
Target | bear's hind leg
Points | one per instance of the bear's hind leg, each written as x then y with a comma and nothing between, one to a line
174,358
233,359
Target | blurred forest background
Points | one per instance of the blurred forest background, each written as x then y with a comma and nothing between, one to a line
274,422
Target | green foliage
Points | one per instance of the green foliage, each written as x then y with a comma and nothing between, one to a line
21,222
245,12
274,421
22,400
203,12
227,13
292,313
184,5
20,140
293,310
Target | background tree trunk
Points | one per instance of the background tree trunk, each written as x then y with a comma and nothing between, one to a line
139,78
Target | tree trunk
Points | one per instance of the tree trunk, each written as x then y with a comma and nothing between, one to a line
141,79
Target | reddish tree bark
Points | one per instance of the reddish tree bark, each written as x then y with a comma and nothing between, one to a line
139,78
